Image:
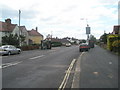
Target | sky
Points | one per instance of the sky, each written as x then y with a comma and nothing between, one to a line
63,18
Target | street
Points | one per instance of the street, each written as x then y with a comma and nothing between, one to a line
38,68
97,68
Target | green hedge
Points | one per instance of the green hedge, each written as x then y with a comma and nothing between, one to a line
56,44
116,46
113,43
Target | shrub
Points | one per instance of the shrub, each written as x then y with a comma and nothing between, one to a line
116,46
116,43
110,40
56,44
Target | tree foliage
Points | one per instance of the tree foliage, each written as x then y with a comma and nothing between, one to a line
12,39
92,38
103,38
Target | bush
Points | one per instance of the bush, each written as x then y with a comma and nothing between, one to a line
116,46
56,44
110,40
116,43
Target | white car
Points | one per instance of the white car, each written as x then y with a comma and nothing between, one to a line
68,44
9,49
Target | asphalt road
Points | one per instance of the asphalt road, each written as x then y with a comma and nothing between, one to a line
38,68
99,69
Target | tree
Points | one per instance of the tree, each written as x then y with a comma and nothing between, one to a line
92,38
83,41
103,38
12,39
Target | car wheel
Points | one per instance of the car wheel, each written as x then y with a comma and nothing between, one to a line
9,53
19,52
79,50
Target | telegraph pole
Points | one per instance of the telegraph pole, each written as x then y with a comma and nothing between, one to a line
19,17
19,28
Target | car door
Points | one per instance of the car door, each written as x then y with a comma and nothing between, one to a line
14,49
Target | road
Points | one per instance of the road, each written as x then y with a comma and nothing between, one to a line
99,69
38,68
61,67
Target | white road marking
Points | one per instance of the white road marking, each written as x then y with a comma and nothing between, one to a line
66,77
9,64
37,57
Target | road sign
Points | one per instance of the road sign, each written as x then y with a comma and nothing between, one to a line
87,30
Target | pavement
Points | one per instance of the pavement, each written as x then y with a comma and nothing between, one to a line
97,68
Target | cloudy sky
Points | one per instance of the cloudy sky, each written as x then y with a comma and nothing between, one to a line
63,18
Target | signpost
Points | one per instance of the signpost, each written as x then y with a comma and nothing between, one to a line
88,32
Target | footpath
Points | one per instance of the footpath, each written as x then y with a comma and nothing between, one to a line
97,68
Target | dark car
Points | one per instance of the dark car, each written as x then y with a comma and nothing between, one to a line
84,47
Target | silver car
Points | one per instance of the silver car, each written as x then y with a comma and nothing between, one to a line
9,49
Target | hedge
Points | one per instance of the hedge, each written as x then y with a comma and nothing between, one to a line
56,44
110,40
113,43
116,46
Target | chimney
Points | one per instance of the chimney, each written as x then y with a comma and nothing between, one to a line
8,21
36,28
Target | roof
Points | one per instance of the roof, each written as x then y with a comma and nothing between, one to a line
64,41
4,26
34,33
22,28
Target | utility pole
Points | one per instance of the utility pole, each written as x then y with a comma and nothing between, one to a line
19,28
19,17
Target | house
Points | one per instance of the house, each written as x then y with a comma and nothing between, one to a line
24,33
7,28
116,29
35,37
64,41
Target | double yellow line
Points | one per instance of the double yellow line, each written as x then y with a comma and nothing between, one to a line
66,77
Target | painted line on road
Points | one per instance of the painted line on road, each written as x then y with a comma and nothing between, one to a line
9,64
66,77
76,77
37,57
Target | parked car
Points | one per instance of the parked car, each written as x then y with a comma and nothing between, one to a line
9,49
68,44
84,47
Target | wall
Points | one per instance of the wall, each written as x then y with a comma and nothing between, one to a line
36,39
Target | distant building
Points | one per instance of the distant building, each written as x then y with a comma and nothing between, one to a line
35,37
7,28
116,29
64,41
